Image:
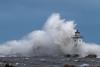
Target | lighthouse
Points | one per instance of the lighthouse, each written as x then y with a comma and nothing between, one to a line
76,42
76,38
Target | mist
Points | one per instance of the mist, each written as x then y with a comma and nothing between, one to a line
54,39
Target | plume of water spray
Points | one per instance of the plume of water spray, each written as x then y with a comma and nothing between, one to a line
54,39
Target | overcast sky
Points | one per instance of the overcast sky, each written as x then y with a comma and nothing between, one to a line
19,17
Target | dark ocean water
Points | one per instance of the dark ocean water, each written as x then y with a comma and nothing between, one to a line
48,61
